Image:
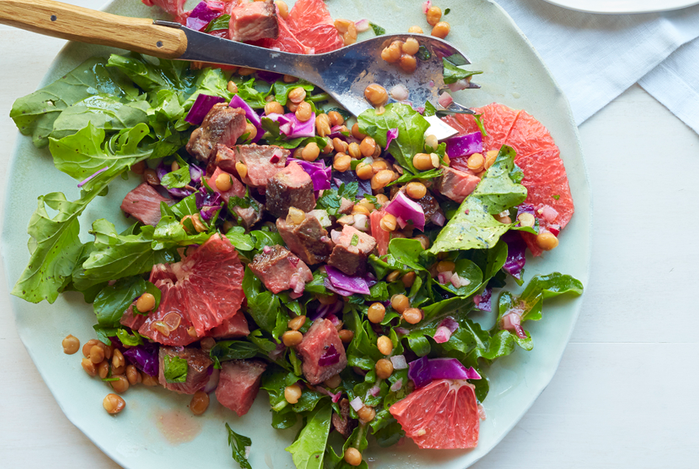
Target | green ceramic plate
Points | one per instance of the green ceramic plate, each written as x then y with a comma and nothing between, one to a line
156,429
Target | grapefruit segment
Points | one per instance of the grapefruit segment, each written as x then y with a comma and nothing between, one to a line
199,293
528,136
442,415
286,41
321,38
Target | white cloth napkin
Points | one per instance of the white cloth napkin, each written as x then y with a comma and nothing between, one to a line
595,57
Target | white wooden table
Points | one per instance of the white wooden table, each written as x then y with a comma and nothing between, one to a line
625,395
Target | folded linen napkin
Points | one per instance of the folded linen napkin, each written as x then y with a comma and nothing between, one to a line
596,57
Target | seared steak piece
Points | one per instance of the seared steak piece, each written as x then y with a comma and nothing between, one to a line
455,184
291,187
222,125
351,251
238,384
322,352
346,206
198,363
254,21
262,162
232,328
280,270
247,217
143,203
308,240
343,423
237,188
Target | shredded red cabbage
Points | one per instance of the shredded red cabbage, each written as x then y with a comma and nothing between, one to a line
516,257
424,370
290,126
200,16
406,210
208,203
201,107
482,301
320,174
195,172
329,357
250,114
347,283
144,357
464,145
326,310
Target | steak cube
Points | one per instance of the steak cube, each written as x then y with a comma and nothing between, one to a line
238,384
290,187
308,240
429,205
248,216
143,203
254,21
262,162
322,352
455,184
198,363
280,270
352,248
222,125
232,328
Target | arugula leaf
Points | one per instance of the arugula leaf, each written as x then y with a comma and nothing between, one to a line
35,113
407,252
240,240
175,369
103,112
130,340
149,76
238,443
225,350
411,131
251,95
452,73
86,152
221,22
264,306
169,233
308,449
116,256
430,110
265,237
473,226
378,30
113,300
177,179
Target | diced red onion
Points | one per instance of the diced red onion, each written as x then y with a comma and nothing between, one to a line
213,381
290,126
201,107
335,235
395,387
445,99
401,331
409,210
459,282
555,229
444,277
266,249
464,145
442,335
459,85
438,218
512,322
347,283
356,403
87,179
374,391
482,301
399,362
361,222
426,6
548,213
362,25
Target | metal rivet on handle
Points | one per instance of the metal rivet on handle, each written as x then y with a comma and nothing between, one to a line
54,17
159,43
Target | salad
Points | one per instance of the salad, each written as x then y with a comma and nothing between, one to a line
279,244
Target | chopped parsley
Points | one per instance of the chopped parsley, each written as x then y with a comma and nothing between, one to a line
479,122
238,443
378,30
556,196
355,240
447,11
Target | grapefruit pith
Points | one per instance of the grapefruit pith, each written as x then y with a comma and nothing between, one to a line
442,415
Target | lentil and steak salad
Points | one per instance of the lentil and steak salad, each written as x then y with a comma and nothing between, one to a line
279,244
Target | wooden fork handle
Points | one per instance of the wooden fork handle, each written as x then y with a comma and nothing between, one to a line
94,27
